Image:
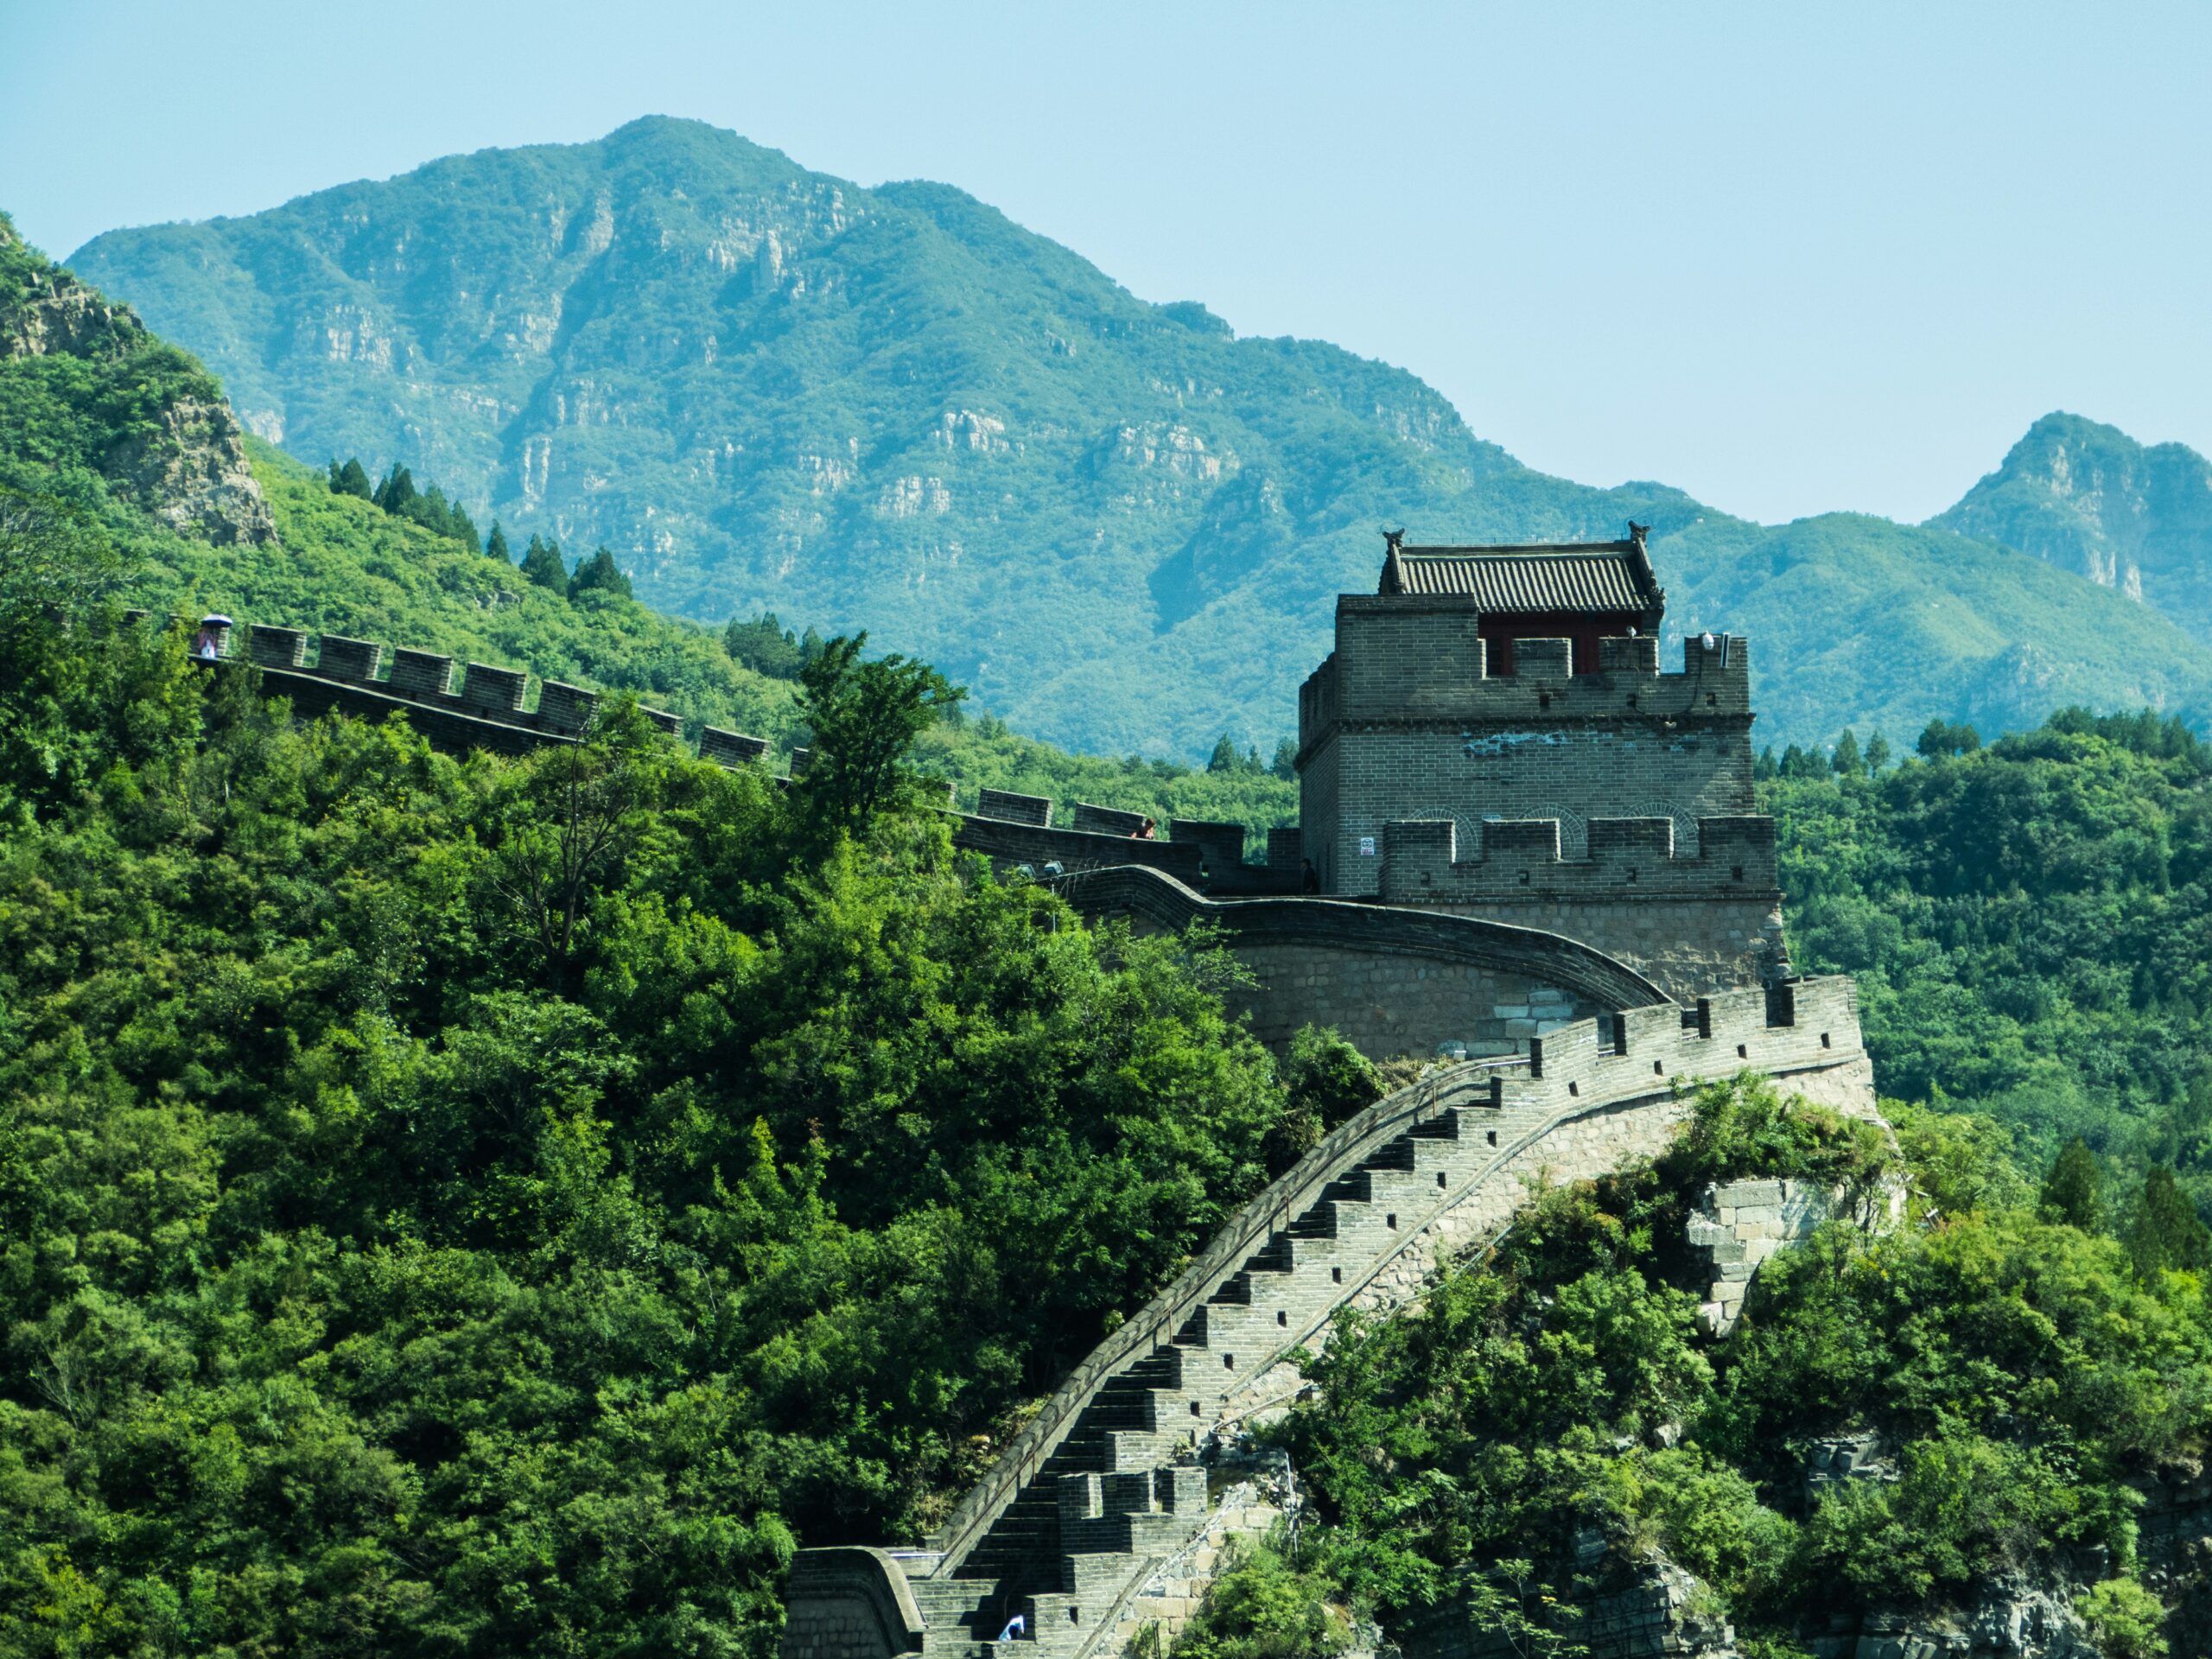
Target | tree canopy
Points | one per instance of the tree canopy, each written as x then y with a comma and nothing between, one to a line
473,1205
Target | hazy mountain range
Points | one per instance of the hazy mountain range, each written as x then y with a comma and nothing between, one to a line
1124,527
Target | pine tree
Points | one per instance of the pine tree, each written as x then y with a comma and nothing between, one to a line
1224,756
2168,1232
2073,1192
459,526
495,545
764,644
1878,754
1286,761
352,479
397,491
599,574
1846,762
1766,768
541,562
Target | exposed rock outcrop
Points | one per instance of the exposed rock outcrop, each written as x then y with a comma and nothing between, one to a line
181,453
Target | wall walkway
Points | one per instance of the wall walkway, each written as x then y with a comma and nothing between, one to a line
1098,1488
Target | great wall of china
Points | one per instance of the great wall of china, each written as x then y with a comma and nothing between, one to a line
1525,854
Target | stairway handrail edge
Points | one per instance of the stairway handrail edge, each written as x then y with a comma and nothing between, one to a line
1273,1207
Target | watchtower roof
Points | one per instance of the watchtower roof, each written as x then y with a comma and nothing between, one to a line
1572,578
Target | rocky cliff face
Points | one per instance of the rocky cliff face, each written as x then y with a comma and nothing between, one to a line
2132,517
174,448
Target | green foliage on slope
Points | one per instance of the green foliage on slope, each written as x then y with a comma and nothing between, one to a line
342,564
893,409
1556,1411
475,1207
2028,924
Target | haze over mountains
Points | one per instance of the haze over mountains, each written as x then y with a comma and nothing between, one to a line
894,409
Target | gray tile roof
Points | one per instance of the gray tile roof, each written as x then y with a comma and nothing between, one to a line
1597,578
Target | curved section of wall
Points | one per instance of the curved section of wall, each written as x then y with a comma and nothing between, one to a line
850,1603
1393,981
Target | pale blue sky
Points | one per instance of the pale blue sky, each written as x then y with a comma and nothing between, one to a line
1788,258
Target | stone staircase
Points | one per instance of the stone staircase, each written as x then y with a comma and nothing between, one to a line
1102,1485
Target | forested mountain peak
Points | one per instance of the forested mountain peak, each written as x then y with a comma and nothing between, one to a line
2088,497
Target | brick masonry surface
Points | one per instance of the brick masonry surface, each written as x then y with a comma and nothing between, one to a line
1741,1223
1392,1005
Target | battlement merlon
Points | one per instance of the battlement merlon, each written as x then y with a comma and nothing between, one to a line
1629,858
1420,657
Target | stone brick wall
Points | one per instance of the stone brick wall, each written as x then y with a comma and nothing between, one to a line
1739,1224
851,1603
1688,947
1464,772
1387,1005
1424,779
1393,981
1419,731
1596,1143
454,706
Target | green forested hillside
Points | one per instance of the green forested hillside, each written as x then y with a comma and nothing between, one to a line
91,421
418,1237
463,1206
2031,927
415,1239
891,408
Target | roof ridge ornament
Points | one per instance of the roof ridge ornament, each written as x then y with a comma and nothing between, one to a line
1649,576
1393,574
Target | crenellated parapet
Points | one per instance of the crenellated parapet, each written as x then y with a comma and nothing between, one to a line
1625,859
1402,662
1018,832
454,705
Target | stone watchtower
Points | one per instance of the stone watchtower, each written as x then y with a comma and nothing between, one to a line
1492,736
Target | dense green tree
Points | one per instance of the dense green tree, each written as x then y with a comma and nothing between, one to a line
1223,757
2073,1192
396,492
495,545
541,562
1556,1396
1801,763
599,575
504,1206
1940,738
352,479
865,715
1845,761
2167,1231
764,646
1284,764
1878,754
